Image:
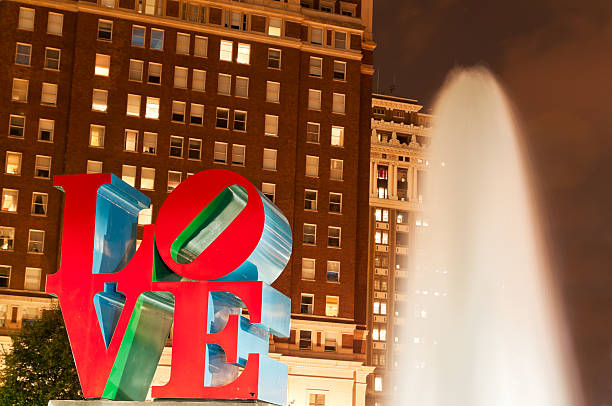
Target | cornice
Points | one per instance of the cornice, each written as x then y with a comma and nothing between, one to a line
400,127
367,70
396,105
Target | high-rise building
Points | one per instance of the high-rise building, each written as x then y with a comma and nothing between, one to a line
153,91
398,165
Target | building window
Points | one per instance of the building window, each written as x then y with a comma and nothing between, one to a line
174,179
52,58
99,100
339,70
10,197
316,36
310,234
145,216
335,202
182,43
313,131
224,84
178,111
7,238
244,54
149,143
20,90
306,307
16,126
312,165
147,178
340,40
176,146
108,3
198,81
381,237
336,169
102,67
133,105
316,67
105,30
273,92
138,36
220,152
337,136
96,135
308,269
242,87
94,167
306,335
180,77
48,96
26,19
46,129
382,215
222,118
157,39
378,386
338,103
240,120
32,279
5,276
194,149
200,47
271,125
269,159
333,271
269,190
154,73
333,237
332,303
55,23
23,54
42,167
130,142
39,204
128,174
238,154
330,342
310,200
274,27
152,108
314,99
226,50
274,58
136,70
196,114
13,163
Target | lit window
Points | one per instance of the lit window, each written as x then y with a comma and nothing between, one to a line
333,237
274,58
180,77
154,73
200,47
174,179
55,23
182,43
224,85
273,92
339,70
226,50
7,238
42,167
330,346
46,128
48,95
108,3
381,237
271,125
316,67
333,271
130,142
20,90
316,36
335,202
10,198
336,169
340,40
235,19
306,307
238,154
376,307
332,303
149,143
52,58
314,99
94,166
313,131
105,30
242,87
147,178
96,135
308,269
269,159
176,146
306,335
16,126
13,163
310,234
274,27
26,18
133,105
23,54
244,53
145,216
383,308
378,384
194,149
39,204
382,215
337,136
99,100
196,114
338,103
220,153
312,165
240,118
198,81
138,36
32,279
222,118
178,111
310,199
157,39
269,190
128,174
152,110
136,70
102,65
150,7
5,276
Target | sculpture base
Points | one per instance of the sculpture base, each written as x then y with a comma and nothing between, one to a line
186,402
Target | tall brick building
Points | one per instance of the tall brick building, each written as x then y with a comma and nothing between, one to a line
154,90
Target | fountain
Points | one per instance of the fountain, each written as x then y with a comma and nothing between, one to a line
482,321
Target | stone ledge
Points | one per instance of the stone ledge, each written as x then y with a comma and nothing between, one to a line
159,403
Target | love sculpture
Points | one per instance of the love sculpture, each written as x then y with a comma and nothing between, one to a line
216,247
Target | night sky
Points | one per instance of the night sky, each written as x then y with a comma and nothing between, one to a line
554,58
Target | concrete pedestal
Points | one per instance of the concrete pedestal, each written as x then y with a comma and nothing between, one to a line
159,403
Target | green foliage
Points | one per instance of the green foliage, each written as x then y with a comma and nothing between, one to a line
40,366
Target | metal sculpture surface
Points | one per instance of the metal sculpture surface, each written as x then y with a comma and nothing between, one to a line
217,245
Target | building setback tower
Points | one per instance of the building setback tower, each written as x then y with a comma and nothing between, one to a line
155,90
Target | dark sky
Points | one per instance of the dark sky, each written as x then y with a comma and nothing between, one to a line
554,58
